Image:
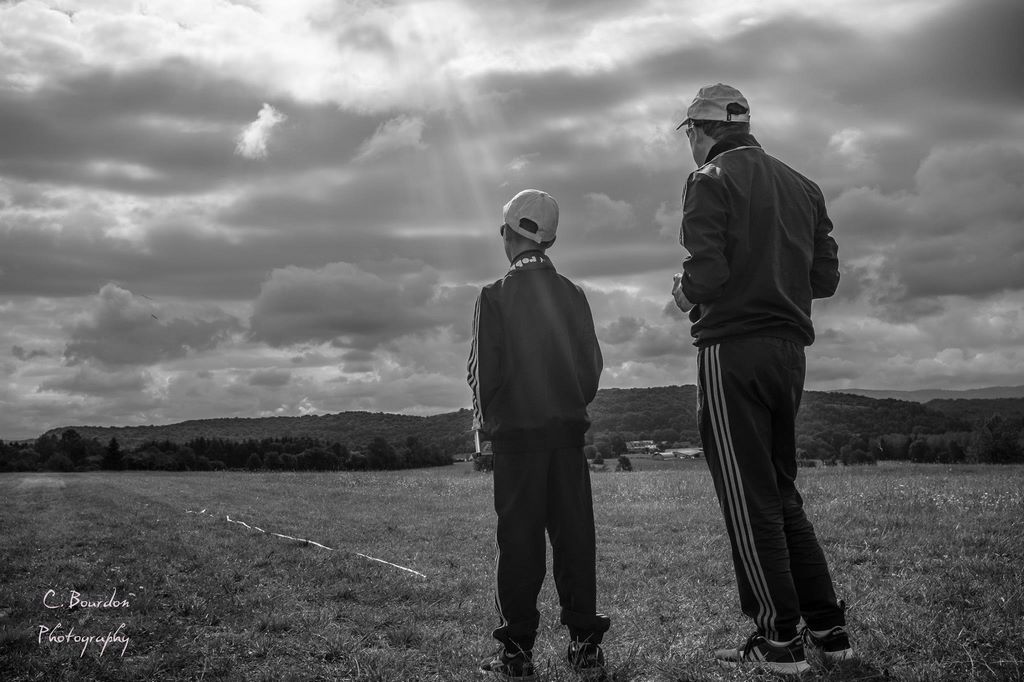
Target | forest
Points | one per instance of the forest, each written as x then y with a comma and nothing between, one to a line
832,428
71,452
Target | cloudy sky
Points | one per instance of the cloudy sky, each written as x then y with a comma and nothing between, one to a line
216,209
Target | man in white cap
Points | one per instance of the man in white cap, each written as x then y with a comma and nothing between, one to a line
534,366
760,249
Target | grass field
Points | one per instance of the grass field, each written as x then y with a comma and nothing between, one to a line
929,559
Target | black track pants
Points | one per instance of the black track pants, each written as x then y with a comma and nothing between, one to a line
748,395
534,492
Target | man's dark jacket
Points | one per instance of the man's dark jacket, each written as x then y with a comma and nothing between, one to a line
760,247
535,362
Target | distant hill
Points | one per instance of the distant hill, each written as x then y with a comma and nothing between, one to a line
828,412
614,409
975,409
926,395
644,410
356,429
639,411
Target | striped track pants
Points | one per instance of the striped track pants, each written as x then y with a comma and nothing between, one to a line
749,392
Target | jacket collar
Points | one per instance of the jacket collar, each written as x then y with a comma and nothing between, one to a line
730,143
534,259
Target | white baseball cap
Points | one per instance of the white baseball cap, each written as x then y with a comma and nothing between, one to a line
537,207
718,102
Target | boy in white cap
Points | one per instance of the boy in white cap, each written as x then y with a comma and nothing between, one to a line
534,366
760,249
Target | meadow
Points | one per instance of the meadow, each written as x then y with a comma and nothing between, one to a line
140,576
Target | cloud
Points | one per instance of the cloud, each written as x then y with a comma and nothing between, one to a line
252,141
520,163
350,54
415,376
402,132
956,234
669,218
270,378
963,343
26,355
644,339
644,343
358,361
91,381
355,306
156,129
621,330
604,214
851,148
119,328
409,393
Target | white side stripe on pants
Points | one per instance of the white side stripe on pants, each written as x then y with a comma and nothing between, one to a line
734,503
497,598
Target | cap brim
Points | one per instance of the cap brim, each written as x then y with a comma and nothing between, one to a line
682,124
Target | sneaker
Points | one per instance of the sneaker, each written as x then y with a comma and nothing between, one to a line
505,667
587,660
834,645
759,652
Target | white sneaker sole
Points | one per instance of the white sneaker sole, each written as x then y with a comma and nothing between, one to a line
837,656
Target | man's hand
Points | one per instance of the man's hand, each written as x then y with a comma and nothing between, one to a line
677,293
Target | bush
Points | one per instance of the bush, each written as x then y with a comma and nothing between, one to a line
483,461
113,458
855,455
59,462
381,455
22,460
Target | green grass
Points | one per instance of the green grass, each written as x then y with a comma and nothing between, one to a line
928,558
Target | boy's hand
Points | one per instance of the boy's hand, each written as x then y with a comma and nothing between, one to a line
677,293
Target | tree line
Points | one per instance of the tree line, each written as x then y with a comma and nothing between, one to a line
70,451
996,439
831,428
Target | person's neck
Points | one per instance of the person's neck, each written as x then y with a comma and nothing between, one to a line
520,248
519,254
731,142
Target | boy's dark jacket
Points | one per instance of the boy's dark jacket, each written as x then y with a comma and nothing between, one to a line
760,246
535,362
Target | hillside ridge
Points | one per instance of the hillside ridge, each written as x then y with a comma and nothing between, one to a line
622,410
927,395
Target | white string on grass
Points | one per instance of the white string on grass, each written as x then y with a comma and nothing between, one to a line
308,542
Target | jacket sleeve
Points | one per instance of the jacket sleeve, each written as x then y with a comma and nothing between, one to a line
590,362
484,366
825,267
703,235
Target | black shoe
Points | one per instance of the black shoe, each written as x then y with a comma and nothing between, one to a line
587,660
758,652
834,645
505,667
